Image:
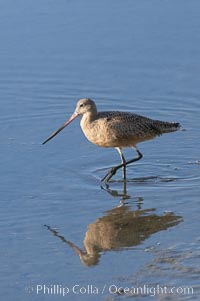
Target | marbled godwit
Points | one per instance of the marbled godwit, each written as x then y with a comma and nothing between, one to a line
117,130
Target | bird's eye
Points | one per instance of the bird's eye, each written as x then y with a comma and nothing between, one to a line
81,105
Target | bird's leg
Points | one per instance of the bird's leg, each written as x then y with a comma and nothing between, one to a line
135,159
124,172
113,170
119,149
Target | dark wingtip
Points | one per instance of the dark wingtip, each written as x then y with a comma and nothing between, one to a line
177,125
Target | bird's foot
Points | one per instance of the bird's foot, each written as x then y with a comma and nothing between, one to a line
109,175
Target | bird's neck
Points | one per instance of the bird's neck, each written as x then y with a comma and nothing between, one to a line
88,117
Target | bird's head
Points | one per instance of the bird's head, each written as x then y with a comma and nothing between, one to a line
85,105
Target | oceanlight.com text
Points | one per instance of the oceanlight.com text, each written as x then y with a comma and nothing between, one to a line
111,289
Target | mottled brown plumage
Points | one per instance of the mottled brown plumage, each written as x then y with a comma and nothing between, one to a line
116,129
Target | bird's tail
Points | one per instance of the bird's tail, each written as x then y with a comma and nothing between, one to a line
163,127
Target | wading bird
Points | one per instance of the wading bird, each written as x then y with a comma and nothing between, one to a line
117,130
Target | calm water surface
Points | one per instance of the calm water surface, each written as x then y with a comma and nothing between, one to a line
59,226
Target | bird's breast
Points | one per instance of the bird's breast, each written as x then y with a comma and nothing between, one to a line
98,132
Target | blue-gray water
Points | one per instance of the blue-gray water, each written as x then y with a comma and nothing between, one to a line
58,226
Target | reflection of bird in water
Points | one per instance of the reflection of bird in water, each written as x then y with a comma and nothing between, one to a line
117,130
119,228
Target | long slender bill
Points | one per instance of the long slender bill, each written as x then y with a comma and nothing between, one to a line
74,115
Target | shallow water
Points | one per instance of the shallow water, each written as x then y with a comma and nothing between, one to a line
61,228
